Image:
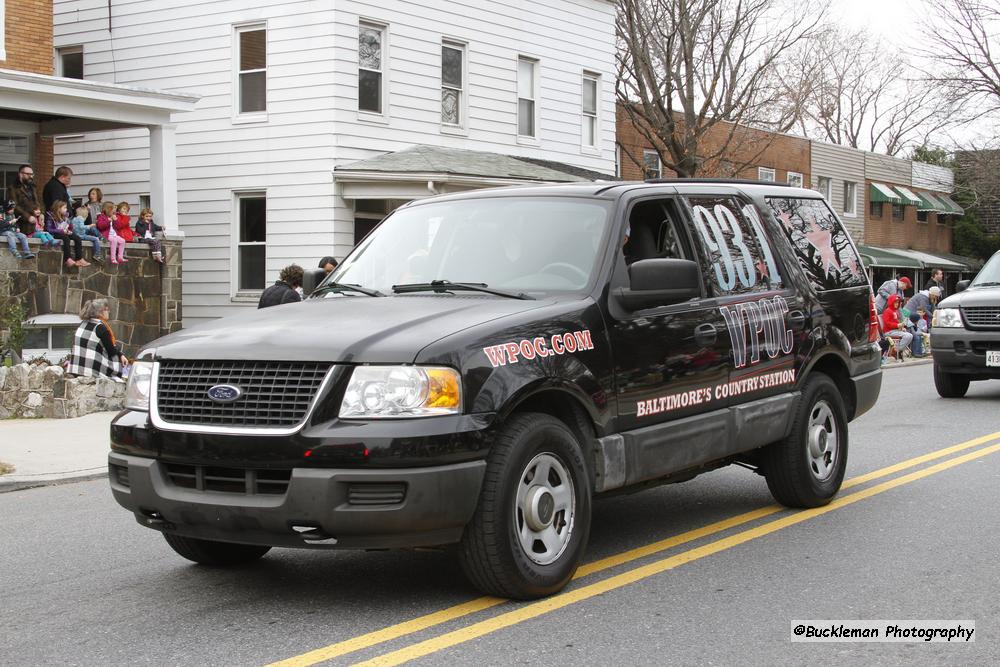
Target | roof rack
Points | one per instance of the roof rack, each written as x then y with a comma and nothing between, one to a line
728,181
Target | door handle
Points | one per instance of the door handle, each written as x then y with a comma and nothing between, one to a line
705,334
797,320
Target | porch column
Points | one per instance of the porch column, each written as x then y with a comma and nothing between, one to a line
163,178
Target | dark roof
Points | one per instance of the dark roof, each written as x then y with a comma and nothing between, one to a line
587,174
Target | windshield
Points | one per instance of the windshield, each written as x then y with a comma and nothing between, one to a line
989,274
523,244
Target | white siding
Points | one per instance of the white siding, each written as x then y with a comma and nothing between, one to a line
840,164
887,169
312,122
932,177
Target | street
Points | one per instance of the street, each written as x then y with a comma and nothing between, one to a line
83,584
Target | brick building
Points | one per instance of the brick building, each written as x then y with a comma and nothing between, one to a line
978,173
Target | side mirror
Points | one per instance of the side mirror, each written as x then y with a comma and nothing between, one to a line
660,282
962,285
311,278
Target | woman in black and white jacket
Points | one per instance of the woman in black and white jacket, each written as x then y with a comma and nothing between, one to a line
95,350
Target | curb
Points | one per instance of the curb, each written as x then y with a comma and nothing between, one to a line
9,483
907,364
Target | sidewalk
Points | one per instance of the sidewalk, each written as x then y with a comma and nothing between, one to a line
45,451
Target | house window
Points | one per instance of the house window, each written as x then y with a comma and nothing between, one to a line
371,56
875,209
49,336
825,187
452,83
588,109
651,166
897,212
250,247
921,216
144,202
942,219
765,174
69,62
527,73
251,61
795,179
850,198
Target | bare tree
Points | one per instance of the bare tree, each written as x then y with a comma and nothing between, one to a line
862,95
963,44
694,73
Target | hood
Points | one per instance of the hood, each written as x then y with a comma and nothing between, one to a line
359,329
973,296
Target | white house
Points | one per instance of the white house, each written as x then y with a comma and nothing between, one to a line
317,117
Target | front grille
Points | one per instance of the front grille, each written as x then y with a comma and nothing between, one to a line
372,493
229,480
982,347
274,393
985,317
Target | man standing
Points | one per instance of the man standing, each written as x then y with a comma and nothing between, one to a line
283,291
328,264
57,189
25,198
891,287
936,280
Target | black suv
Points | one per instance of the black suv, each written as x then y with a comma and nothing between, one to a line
965,339
483,364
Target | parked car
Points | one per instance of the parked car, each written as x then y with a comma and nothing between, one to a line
483,365
965,334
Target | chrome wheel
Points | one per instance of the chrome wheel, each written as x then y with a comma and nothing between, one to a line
823,445
545,506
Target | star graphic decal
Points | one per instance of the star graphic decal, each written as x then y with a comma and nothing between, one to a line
852,265
786,219
822,241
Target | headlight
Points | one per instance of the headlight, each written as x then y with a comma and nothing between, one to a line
947,317
140,378
402,391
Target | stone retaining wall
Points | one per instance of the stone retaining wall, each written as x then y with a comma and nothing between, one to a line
39,390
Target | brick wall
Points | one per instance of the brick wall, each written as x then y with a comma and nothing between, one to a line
744,146
29,36
908,233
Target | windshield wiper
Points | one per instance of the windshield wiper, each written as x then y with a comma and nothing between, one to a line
347,287
447,286
986,284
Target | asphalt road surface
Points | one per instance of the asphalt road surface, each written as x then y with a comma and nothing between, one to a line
707,572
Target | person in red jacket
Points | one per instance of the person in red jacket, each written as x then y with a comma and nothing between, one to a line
123,222
106,226
894,327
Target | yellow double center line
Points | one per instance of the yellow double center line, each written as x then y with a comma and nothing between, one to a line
555,602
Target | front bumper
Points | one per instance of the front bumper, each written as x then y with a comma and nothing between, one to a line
318,510
866,391
963,351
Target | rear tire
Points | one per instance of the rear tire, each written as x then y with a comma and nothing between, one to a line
532,522
208,552
807,468
950,385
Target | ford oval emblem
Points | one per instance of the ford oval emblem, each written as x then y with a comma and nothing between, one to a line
224,393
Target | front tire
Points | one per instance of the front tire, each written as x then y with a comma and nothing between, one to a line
532,522
950,385
208,552
807,468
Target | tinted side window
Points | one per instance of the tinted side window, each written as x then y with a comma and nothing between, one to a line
820,242
740,256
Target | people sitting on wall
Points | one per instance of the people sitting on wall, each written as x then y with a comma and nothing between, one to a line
105,225
123,222
10,231
57,224
25,198
896,286
284,289
57,189
895,328
87,232
150,233
96,352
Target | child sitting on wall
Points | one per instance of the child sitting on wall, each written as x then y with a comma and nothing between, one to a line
87,232
105,224
123,222
9,231
149,233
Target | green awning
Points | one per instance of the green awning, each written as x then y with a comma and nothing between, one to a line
909,199
874,256
974,263
929,203
953,208
883,193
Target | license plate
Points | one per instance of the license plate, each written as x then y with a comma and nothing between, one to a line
993,357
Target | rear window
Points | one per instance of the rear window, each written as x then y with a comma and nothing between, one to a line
820,242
